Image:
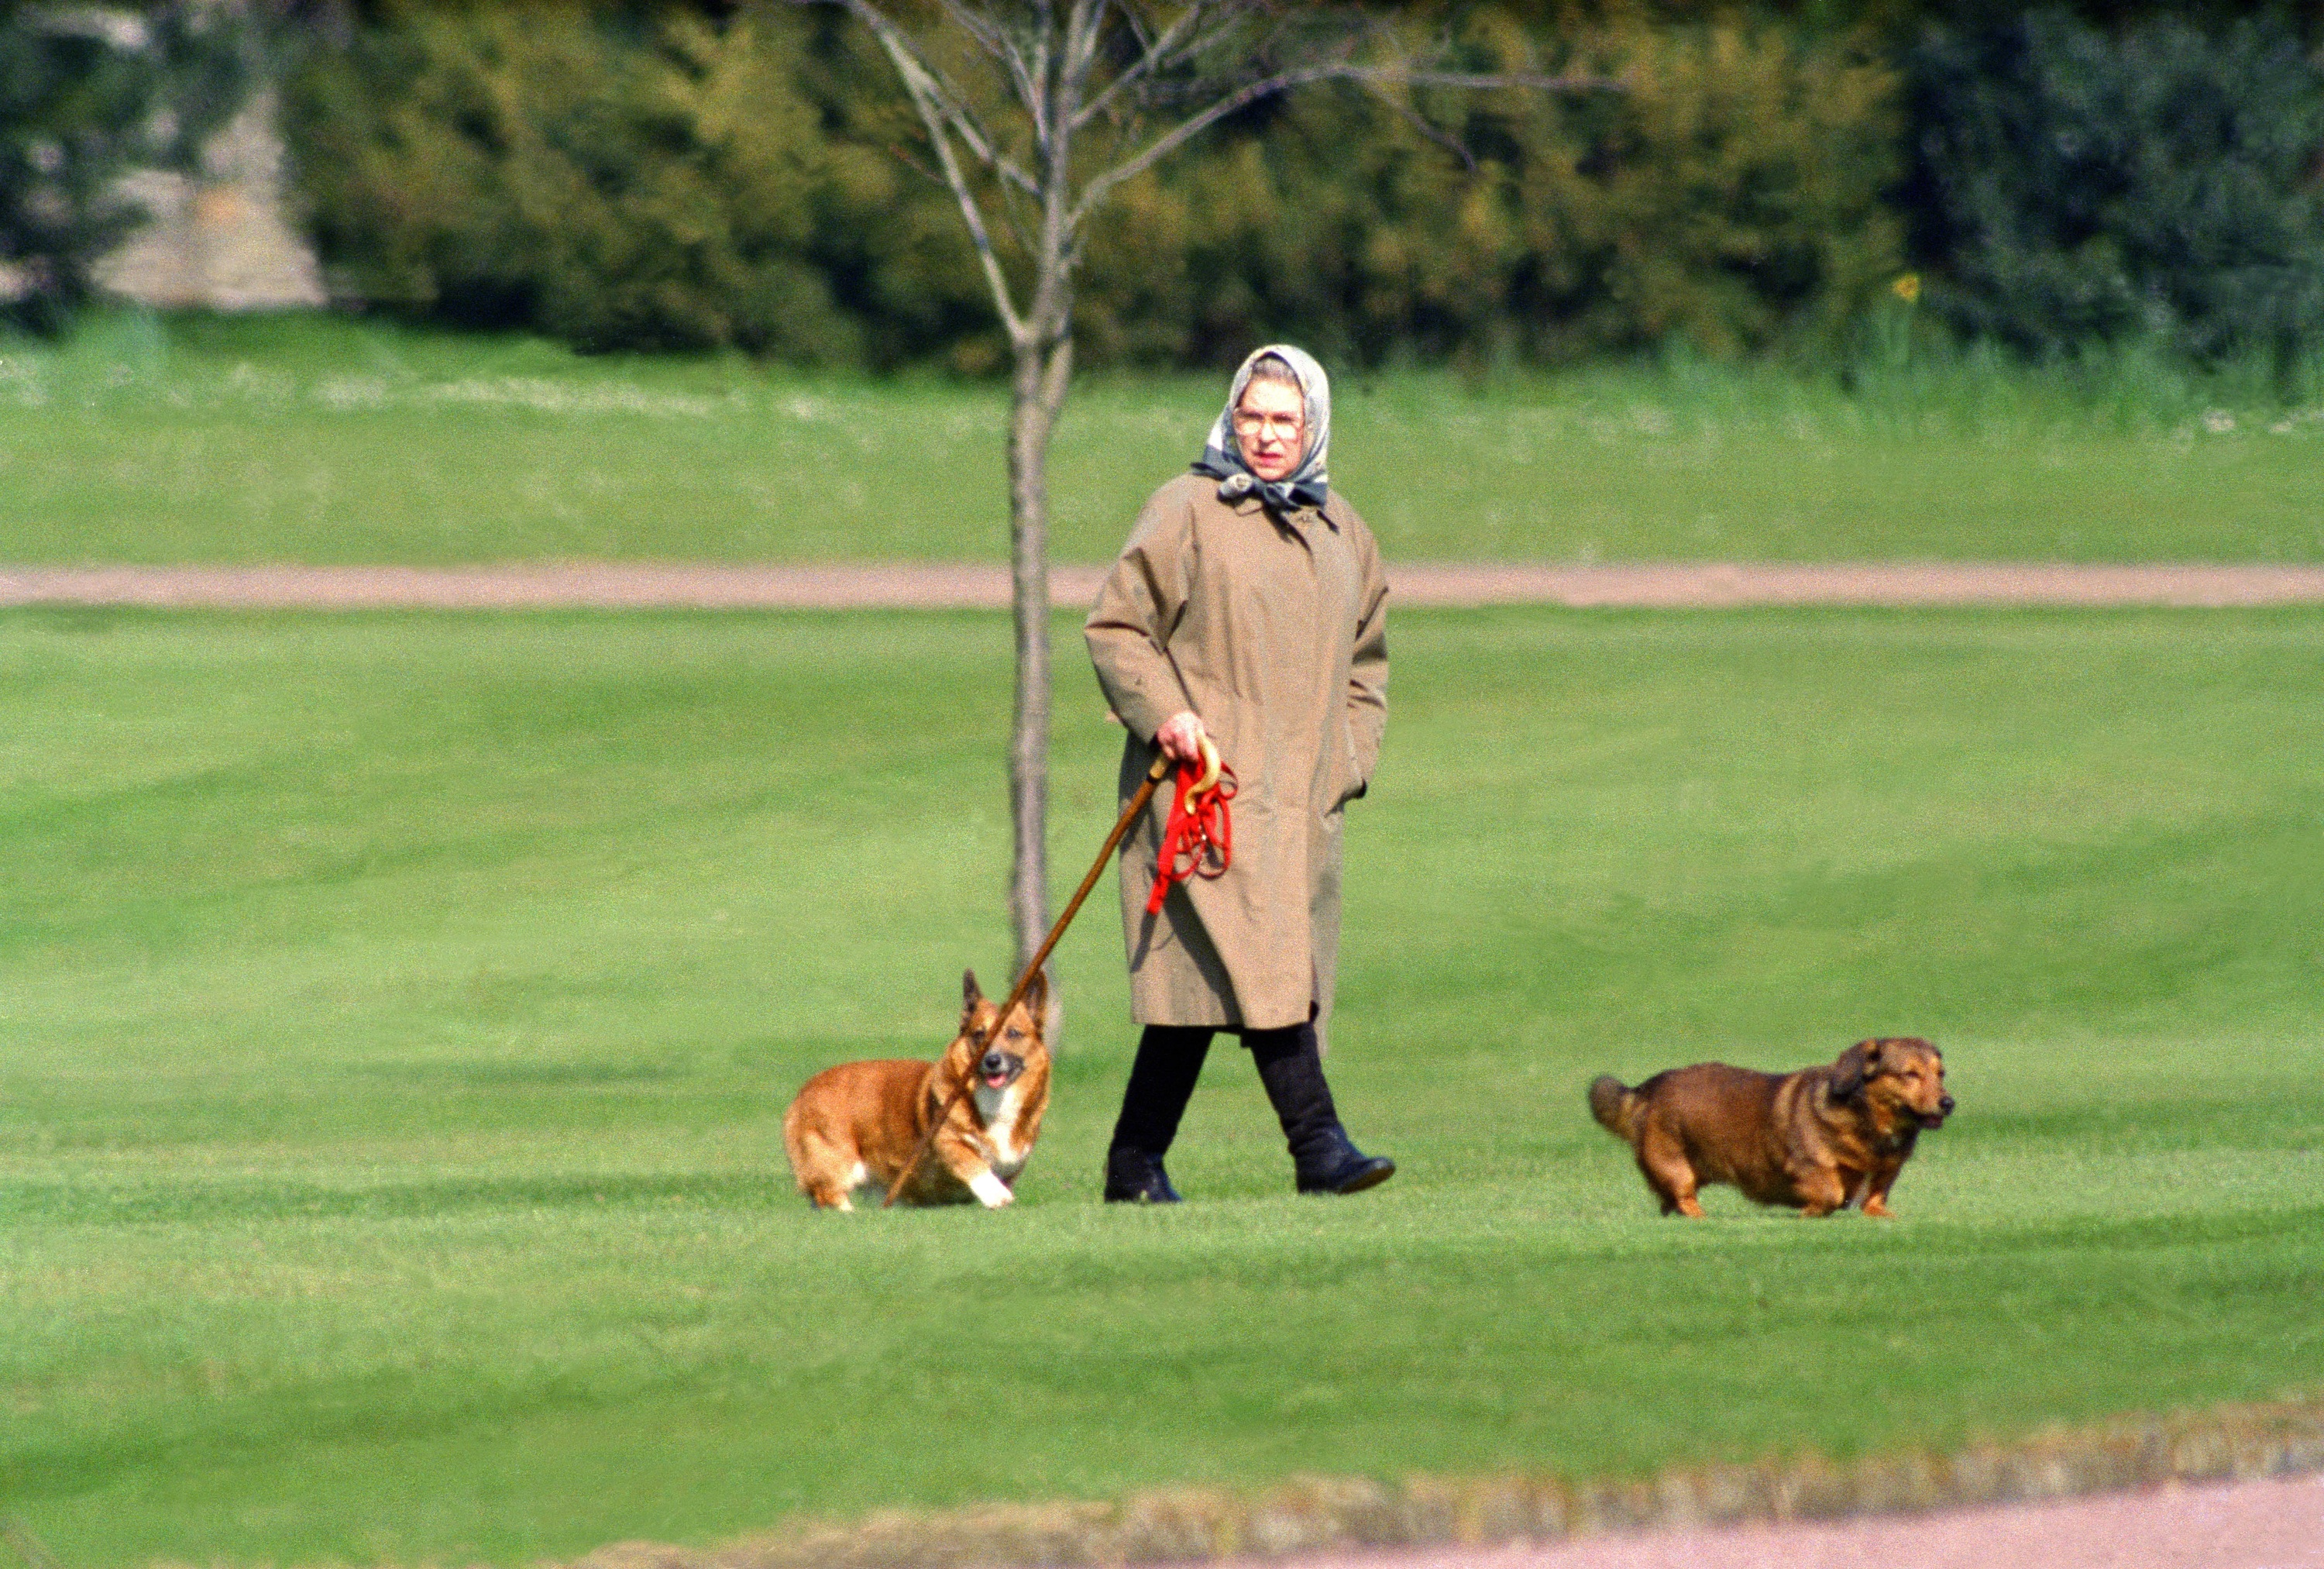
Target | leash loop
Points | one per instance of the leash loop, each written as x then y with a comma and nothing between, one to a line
1198,840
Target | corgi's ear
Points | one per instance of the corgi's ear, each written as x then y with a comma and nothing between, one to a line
1037,999
970,994
1848,1073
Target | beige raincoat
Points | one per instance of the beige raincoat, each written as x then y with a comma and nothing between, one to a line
1273,630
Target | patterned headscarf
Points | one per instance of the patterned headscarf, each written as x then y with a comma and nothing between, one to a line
1308,485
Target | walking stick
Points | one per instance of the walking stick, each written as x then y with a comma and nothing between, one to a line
1154,775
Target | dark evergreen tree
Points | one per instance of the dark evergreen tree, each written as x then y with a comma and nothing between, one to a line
2071,185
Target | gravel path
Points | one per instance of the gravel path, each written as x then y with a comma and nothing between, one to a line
641,585
2273,1524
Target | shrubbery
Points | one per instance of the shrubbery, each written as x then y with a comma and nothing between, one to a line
2071,186
640,177
1722,186
598,179
652,185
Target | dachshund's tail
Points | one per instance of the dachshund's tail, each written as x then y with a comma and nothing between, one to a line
1617,1107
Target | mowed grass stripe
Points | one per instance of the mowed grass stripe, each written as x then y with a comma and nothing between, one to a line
400,1009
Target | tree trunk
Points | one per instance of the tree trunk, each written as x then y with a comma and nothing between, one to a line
1044,365
1036,392
1028,741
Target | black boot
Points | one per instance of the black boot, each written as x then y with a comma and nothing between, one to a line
1323,1158
1161,1081
1134,1176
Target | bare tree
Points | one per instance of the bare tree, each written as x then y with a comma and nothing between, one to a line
1035,112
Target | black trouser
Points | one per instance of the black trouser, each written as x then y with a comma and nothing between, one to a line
1170,1060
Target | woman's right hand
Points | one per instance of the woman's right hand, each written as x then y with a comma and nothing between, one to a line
1181,737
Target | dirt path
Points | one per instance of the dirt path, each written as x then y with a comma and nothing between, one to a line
642,585
2275,1524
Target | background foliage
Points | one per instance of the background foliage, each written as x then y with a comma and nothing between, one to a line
655,184
1723,187
1741,183
85,96
2072,185
1751,182
594,176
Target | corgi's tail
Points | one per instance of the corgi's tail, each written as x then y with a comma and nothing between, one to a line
795,1146
1616,1106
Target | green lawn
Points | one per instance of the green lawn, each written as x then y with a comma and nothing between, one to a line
399,1011
192,440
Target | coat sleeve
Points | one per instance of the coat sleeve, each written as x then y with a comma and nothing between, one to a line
1128,630
1368,669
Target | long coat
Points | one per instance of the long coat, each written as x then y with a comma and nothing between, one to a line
1274,630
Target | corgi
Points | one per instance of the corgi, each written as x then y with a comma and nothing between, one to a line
853,1127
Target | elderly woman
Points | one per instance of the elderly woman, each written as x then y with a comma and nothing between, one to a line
1247,607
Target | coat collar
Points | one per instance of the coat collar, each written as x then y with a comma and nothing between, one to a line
1299,520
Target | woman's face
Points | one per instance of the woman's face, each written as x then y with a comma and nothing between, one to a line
1270,426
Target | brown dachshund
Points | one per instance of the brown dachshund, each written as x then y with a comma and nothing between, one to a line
1818,1139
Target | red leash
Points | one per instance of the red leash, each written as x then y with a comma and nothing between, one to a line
1198,840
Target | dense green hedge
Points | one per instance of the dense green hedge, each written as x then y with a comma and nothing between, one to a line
640,177
1726,190
2071,185
658,187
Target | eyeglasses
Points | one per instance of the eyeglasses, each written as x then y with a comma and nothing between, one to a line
1282,426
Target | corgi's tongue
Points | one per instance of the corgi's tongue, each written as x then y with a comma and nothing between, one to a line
995,1080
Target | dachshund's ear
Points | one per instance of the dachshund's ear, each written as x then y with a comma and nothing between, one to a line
970,994
1037,998
1848,1073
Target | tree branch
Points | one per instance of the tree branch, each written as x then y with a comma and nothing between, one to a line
1375,77
1084,29
1036,85
1186,130
1152,57
1486,81
924,92
1001,47
921,78
1425,127
989,34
